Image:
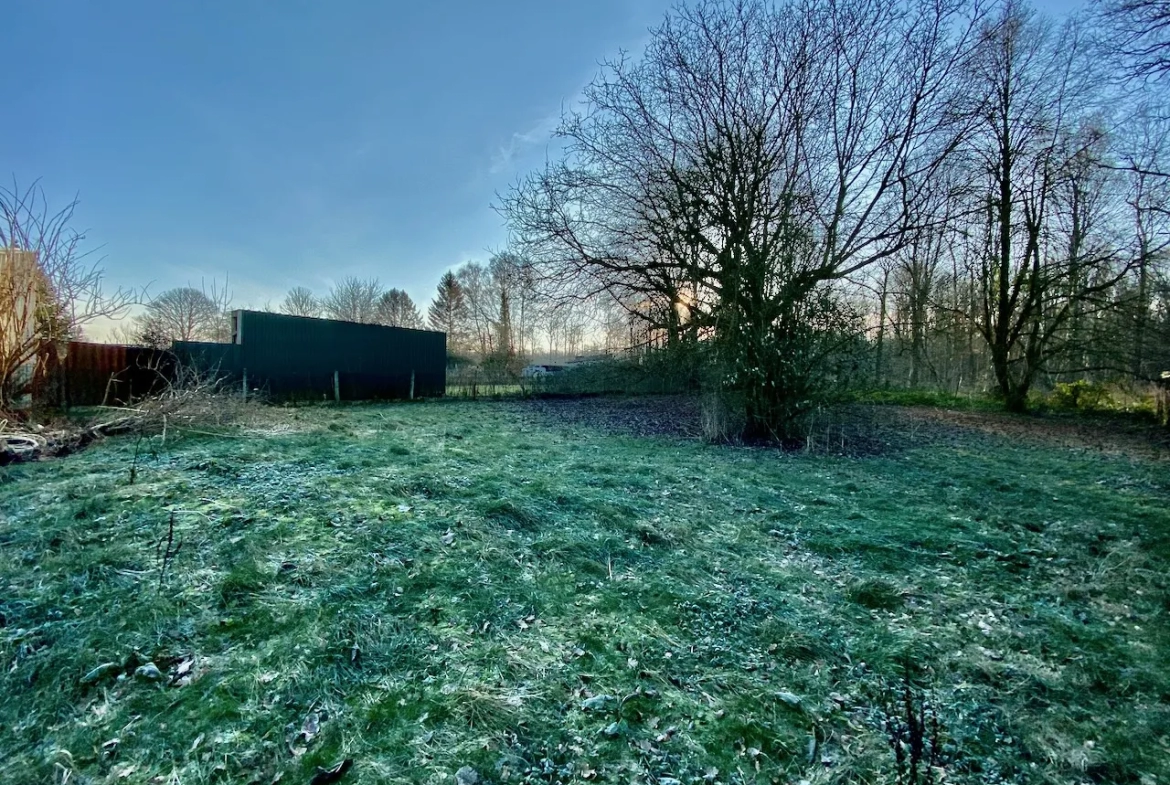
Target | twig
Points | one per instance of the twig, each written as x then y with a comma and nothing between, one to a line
168,553
134,463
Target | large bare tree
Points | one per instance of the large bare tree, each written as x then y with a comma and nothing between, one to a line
397,309
1040,256
482,306
300,301
353,300
751,157
185,314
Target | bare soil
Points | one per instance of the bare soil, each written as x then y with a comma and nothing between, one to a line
868,429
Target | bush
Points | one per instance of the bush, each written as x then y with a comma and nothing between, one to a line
657,372
1080,395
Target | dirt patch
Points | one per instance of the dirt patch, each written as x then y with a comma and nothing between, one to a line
1113,435
864,429
651,415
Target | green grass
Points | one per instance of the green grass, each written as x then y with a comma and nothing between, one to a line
925,397
447,584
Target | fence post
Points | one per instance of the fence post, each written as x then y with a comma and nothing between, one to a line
245,384
412,385
336,387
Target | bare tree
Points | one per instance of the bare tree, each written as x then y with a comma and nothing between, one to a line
50,288
300,301
482,306
1041,264
752,157
184,314
1138,31
1146,147
396,309
353,300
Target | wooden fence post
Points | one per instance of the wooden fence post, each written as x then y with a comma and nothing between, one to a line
412,385
245,384
336,387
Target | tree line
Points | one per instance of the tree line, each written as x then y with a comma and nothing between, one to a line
795,197
963,195
494,312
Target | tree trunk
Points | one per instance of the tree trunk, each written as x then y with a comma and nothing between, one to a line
881,334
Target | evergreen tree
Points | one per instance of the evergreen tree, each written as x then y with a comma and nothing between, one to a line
449,312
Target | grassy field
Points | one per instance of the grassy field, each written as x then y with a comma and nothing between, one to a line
421,588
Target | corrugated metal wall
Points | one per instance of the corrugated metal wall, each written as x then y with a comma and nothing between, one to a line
297,357
91,374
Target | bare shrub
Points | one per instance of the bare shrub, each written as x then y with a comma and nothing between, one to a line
721,416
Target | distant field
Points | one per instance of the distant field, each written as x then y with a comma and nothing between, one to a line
538,592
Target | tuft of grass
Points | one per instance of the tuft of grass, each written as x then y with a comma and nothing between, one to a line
449,584
876,594
510,514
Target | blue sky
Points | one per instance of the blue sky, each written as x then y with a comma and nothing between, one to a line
294,142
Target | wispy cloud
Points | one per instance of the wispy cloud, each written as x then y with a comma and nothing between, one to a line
540,133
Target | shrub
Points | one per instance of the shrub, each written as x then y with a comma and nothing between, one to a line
1080,395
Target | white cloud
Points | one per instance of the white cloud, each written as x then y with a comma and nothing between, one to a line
522,141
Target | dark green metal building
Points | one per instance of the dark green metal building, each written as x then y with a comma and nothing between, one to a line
299,357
